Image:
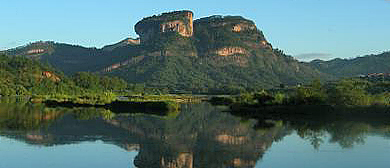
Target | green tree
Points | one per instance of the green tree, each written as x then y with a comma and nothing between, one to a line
349,92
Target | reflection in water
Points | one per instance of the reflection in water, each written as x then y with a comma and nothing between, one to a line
200,136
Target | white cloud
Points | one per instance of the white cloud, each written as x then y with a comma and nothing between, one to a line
313,56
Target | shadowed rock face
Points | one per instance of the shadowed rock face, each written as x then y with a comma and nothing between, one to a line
228,35
179,21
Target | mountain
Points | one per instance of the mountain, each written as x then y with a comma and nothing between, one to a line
74,58
123,43
216,53
354,67
18,75
212,53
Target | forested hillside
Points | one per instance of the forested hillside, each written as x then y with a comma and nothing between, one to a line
73,58
24,76
353,67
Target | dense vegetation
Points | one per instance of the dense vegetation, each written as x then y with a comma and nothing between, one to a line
24,76
347,92
218,75
264,68
353,67
73,58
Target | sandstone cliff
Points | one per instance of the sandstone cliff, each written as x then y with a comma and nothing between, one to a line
228,36
176,34
151,27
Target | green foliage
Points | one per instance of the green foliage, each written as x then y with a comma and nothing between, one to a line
92,113
312,94
279,98
263,98
23,116
24,76
169,41
246,98
354,67
347,92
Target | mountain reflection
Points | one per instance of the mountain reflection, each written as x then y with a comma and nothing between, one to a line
201,135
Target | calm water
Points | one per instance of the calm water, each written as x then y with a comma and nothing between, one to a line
198,136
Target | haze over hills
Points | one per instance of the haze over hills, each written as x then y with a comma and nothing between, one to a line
218,53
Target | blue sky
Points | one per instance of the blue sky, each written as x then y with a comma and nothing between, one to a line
306,29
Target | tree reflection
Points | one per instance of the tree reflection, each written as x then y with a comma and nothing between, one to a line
24,116
200,135
346,134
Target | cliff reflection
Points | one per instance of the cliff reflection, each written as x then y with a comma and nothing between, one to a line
201,135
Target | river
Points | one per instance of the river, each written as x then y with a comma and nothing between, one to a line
198,136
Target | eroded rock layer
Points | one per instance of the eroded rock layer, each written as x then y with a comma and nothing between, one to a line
151,27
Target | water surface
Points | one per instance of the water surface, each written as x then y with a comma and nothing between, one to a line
199,135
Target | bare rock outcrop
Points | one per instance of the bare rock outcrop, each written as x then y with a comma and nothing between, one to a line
35,51
242,27
178,21
131,41
51,76
227,51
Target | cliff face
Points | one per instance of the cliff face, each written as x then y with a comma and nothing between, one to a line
175,33
228,35
151,27
210,52
227,51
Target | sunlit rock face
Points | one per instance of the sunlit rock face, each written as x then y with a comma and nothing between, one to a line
51,76
133,41
242,27
35,51
227,51
178,21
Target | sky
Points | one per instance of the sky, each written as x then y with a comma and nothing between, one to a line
305,29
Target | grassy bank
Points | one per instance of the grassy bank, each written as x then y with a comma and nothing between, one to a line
348,92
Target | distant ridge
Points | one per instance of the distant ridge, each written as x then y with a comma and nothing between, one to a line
364,65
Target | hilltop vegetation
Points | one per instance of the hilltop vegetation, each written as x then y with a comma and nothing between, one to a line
24,76
347,92
354,67
73,58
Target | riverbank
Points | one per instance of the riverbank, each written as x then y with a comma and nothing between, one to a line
106,98
313,112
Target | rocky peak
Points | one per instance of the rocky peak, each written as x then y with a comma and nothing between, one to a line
236,23
178,21
228,36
